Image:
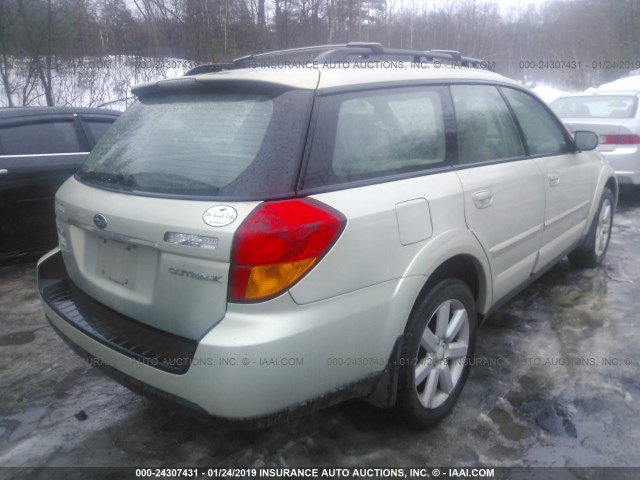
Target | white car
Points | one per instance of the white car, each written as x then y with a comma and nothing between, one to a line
258,242
615,117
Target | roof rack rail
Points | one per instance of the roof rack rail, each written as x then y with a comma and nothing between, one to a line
352,52
210,68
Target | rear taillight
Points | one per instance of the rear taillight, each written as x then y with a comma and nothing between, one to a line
277,244
619,139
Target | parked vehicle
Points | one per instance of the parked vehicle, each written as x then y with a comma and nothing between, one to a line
40,148
258,242
615,117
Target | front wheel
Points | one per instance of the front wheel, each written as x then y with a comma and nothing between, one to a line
438,346
591,253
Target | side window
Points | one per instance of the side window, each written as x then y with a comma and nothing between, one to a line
40,138
97,127
542,132
372,134
486,130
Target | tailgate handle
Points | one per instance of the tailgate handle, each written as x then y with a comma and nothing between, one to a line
554,179
483,198
3,171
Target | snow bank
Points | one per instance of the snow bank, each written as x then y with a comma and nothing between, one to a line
548,93
631,82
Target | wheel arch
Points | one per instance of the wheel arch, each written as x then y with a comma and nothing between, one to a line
457,254
606,179
612,184
465,268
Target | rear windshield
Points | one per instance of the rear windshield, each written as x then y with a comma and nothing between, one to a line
224,143
600,106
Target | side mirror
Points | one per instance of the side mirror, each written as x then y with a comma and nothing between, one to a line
585,140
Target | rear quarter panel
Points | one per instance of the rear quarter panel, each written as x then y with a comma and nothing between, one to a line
371,250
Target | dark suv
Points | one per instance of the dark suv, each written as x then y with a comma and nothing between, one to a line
40,147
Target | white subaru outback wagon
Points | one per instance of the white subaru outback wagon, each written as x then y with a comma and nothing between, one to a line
256,242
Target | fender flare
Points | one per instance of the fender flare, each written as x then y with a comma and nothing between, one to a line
450,244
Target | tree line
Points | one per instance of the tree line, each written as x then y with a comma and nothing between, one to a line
573,43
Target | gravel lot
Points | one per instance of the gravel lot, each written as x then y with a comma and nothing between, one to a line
556,383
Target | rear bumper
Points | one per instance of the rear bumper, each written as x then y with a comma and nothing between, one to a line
262,362
139,342
626,163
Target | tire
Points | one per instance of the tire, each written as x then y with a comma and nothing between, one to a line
434,366
592,252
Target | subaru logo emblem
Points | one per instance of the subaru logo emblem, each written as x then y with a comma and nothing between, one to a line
100,220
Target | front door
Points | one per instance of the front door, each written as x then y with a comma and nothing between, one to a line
504,190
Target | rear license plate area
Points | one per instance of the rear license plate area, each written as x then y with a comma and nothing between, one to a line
116,262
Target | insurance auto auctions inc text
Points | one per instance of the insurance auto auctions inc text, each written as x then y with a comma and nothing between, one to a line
375,472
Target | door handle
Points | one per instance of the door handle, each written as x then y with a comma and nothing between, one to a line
3,171
554,179
483,198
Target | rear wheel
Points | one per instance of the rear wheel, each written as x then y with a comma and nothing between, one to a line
592,252
438,346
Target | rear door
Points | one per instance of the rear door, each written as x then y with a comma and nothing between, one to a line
569,177
503,190
379,156
37,154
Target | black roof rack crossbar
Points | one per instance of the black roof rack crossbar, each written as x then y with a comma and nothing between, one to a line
352,51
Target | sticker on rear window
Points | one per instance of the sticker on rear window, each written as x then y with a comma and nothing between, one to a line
219,216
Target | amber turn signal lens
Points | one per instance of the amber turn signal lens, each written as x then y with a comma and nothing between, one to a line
266,280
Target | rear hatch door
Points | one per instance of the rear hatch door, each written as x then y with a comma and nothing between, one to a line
162,262
149,220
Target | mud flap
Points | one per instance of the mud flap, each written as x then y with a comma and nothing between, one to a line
386,390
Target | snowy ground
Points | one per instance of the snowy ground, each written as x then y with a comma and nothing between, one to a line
556,383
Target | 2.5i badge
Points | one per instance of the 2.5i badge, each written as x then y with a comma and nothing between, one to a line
220,216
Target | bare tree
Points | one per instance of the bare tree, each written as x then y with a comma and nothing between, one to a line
7,18
38,23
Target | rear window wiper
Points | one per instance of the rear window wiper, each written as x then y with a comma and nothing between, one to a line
108,177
